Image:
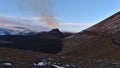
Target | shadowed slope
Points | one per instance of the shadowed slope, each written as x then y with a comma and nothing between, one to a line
31,42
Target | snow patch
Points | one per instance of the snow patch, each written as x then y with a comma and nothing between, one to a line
40,64
57,66
7,64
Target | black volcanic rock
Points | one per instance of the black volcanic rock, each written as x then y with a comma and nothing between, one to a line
56,32
31,42
47,42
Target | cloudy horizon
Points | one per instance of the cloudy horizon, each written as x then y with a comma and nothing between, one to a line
34,21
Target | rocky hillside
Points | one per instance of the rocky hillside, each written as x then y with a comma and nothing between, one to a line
107,27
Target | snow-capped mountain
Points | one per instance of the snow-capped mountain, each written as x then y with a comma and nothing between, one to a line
19,26
16,31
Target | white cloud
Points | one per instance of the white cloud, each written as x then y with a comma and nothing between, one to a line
30,23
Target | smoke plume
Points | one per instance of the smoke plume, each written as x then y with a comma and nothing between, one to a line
42,8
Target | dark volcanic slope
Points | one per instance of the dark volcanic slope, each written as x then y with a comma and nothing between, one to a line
47,42
31,42
54,33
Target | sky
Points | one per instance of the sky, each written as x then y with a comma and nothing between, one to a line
73,15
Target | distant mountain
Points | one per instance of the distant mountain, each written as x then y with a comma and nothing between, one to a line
15,31
54,33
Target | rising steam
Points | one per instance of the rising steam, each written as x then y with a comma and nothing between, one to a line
43,9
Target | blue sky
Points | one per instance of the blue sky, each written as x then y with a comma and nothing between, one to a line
78,13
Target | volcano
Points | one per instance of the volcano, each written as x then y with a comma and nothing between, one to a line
54,33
